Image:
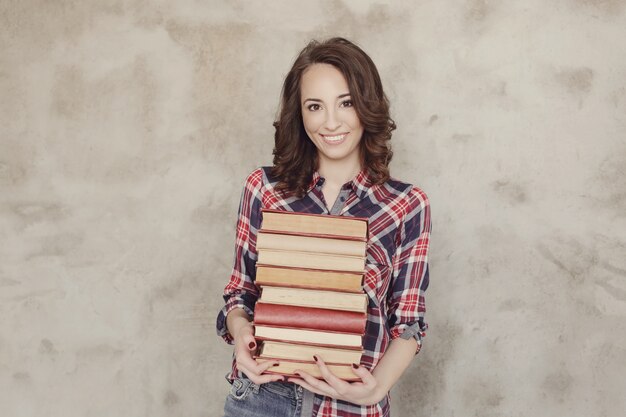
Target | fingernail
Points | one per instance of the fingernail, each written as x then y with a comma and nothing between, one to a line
355,366
275,364
315,358
252,345
298,373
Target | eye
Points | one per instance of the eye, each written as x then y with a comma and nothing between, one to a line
346,103
310,107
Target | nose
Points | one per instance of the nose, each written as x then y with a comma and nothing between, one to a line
332,120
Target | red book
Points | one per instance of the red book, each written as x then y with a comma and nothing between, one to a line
309,318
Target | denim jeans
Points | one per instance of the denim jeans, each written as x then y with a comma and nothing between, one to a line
273,399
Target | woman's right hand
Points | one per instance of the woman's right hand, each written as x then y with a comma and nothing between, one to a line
245,345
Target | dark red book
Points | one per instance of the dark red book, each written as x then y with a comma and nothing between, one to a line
309,318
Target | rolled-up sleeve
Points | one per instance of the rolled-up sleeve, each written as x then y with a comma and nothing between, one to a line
410,271
241,292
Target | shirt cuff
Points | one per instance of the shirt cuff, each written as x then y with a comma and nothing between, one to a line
416,330
243,301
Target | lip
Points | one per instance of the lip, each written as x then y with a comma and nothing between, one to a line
335,142
334,134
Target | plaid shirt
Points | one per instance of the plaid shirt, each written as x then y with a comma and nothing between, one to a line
396,268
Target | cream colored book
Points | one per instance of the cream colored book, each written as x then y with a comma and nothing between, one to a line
309,278
315,298
287,221
311,260
301,243
288,368
280,350
316,337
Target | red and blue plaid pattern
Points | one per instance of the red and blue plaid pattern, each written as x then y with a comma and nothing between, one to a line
396,270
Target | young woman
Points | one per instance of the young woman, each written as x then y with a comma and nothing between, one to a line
331,156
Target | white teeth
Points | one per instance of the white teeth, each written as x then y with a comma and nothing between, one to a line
334,138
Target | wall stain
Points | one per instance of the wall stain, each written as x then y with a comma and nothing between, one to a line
102,350
512,192
512,304
12,172
46,347
170,398
483,394
31,213
576,80
21,377
69,94
572,258
57,245
557,385
8,282
477,10
462,137
612,175
433,119
613,269
607,7
615,292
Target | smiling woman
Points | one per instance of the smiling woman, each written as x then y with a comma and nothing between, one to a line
331,157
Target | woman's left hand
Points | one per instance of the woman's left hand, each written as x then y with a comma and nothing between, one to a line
366,392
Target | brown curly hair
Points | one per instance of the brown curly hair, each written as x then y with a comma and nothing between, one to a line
295,155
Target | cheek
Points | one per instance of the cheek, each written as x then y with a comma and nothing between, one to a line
310,122
353,121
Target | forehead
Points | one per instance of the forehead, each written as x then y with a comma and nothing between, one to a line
323,79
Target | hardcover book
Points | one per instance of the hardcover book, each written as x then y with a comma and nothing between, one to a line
315,224
309,318
267,275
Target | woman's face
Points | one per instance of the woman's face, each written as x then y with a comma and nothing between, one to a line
329,118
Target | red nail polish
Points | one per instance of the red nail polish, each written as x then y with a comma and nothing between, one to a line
355,366
315,358
252,345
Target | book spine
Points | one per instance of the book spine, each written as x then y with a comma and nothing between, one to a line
318,235
365,219
278,315
304,268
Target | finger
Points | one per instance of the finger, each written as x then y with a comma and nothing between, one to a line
317,384
256,366
261,379
249,341
365,375
305,385
338,384
260,367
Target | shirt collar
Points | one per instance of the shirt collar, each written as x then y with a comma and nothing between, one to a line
361,183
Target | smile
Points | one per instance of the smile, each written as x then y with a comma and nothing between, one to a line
335,139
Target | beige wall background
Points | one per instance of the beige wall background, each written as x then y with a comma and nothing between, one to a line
127,130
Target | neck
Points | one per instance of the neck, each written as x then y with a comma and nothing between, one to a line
338,172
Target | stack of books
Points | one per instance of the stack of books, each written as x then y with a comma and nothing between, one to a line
310,269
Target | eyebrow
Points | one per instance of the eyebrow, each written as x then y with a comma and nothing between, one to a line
318,100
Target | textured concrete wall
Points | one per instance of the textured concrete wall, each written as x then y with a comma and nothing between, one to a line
127,129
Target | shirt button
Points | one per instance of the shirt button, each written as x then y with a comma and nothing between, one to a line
342,198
